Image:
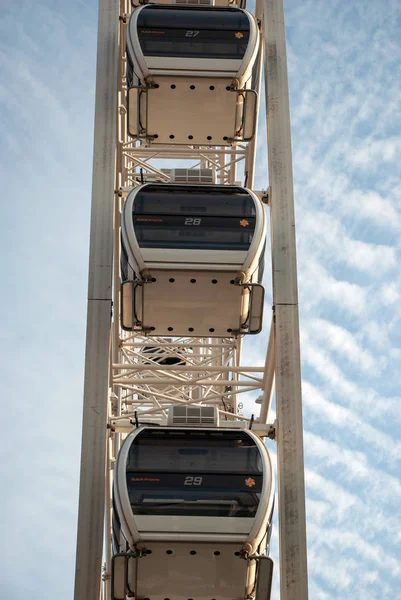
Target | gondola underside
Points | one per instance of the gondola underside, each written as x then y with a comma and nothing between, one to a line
200,304
188,571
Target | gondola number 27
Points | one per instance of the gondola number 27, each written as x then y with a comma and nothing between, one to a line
191,33
193,481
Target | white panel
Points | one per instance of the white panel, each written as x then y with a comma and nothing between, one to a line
188,257
159,523
222,67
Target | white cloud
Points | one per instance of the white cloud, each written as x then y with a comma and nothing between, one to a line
369,205
340,499
372,154
342,342
317,286
357,395
322,235
357,467
390,294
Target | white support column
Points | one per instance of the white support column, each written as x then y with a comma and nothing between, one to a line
92,482
291,486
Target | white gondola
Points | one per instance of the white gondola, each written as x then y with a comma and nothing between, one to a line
190,74
192,511
192,259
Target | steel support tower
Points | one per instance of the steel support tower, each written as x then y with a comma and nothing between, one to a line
121,381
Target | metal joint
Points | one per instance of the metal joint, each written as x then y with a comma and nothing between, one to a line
271,433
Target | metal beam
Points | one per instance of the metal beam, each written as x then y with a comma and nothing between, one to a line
92,482
257,383
291,485
269,377
180,369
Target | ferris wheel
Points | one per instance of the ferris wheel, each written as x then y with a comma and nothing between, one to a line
177,484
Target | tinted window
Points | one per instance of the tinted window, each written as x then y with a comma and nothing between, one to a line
187,473
223,501
194,218
219,19
187,200
194,233
193,32
164,450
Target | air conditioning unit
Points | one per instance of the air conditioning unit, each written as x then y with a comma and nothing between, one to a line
196,176
194,2
193,416
136,3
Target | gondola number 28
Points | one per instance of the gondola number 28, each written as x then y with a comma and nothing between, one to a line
193,481
192,221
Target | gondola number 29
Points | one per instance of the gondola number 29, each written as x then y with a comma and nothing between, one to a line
193,481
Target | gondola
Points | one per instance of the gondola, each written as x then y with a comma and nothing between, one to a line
190,74
191,507
192,260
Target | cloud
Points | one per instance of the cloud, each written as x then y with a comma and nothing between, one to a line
323,235
317,286
342,342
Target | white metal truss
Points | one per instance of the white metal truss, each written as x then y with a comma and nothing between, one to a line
131,378
202,375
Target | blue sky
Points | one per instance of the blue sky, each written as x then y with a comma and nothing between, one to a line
344,72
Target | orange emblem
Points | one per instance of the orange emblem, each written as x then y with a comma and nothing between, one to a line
244,223
239,35
250,482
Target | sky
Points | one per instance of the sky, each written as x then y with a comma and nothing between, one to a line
344,74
